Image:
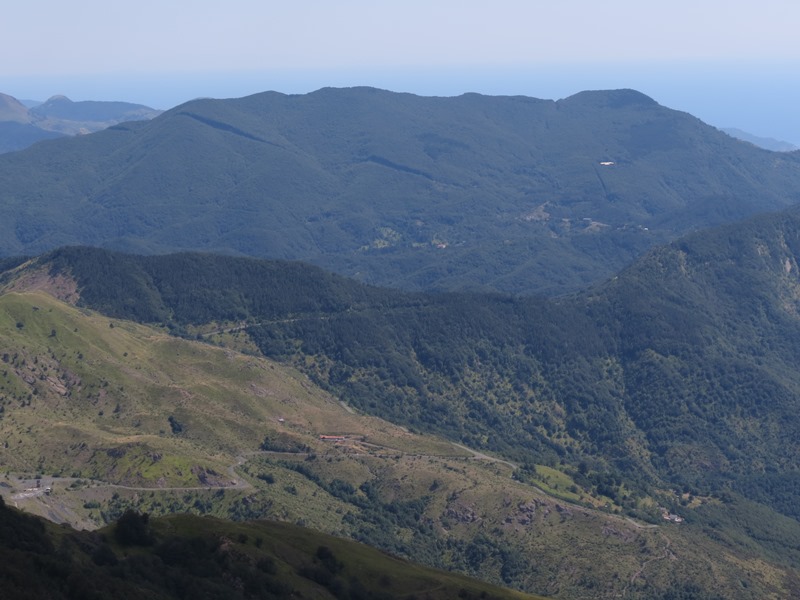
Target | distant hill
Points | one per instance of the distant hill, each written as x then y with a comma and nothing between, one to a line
13,110
472,192
761,142
62,108
59,113
21,124
17,130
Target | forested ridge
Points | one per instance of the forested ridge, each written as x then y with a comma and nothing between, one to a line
475,192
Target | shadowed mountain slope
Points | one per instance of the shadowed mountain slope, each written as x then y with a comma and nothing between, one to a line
193,557
506,193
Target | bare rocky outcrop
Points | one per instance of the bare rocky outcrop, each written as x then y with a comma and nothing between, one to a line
60,286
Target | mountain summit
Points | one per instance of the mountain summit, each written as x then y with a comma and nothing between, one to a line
610,99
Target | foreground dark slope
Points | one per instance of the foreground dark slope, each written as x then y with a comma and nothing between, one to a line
194,557
499,192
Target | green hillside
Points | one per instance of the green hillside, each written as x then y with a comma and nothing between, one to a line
111,415
505,193
676,373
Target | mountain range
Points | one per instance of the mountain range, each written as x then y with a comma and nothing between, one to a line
506,193
22,126
628,431
761,142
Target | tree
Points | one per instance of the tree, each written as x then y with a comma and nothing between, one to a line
133,529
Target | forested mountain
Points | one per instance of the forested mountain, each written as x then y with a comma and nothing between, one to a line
473,192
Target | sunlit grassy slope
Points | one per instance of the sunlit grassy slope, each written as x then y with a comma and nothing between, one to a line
123,401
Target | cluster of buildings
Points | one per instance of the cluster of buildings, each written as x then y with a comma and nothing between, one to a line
668,516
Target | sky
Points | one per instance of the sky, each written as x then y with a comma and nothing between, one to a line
729,62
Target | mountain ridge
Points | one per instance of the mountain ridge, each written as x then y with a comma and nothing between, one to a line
470,192
760,141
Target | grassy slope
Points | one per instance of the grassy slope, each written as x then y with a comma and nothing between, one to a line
122,382
415,495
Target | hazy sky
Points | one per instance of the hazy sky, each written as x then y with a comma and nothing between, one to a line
713,58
